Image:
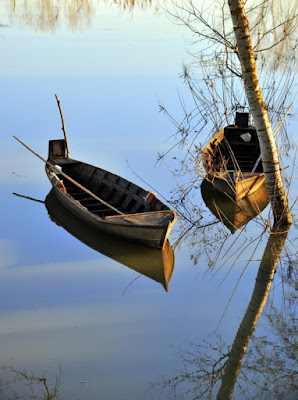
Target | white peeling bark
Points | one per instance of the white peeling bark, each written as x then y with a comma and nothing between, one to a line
270,159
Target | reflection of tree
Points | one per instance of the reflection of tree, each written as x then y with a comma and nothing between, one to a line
210,366
48,15
261,290
23,384
272,358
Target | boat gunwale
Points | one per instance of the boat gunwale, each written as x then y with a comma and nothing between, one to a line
111,220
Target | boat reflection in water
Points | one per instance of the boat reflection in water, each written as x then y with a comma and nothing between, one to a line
155,264
232,211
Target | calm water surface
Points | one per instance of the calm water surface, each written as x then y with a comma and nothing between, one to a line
62,303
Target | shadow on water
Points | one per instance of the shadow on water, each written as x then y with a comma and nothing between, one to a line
152,263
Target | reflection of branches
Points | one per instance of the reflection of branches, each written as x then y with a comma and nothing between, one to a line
209,363
47,15
270,358
203,364
131,4
30,386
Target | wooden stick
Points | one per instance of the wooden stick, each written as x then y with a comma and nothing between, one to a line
28,197
69,178
63,126
283,120
274,134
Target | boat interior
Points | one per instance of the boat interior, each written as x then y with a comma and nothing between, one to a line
239,149
123,195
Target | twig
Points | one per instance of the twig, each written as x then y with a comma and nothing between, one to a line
283,120
63,125
29,198
274,134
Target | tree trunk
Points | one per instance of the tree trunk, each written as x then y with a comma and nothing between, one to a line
258,299
270,159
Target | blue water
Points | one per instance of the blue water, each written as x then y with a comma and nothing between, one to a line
62,303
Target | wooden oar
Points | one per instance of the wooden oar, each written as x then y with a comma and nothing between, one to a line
69,178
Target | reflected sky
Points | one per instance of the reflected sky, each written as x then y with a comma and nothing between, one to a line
61,301
85,316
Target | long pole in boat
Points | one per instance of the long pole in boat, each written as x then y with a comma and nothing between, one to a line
63,126
53,167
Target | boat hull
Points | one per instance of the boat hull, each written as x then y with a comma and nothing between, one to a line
148,232
238,185
143,218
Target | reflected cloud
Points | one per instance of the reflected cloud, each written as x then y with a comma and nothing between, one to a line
47,269
7,253
61,318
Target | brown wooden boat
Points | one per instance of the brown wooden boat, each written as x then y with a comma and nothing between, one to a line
232,160
155,264
123,209
233,213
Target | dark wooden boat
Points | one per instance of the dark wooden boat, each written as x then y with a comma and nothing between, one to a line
232,160
155,264
234,214
127,210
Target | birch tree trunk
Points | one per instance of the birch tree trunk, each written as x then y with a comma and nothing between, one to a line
270,159
258,299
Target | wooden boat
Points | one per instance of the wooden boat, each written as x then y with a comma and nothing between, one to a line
233,213
232,160
121,208
155,264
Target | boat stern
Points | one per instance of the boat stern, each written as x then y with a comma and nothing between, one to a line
57,149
